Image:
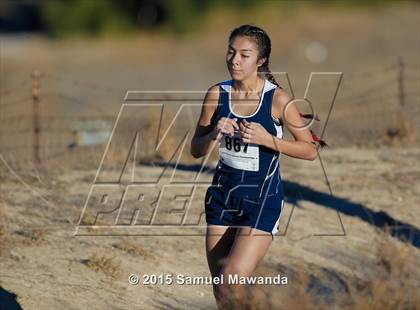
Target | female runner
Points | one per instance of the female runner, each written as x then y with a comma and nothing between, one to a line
244,202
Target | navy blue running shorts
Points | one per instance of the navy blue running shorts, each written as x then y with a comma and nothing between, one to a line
223,208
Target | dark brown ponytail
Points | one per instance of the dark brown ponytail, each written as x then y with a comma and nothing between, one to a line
264,68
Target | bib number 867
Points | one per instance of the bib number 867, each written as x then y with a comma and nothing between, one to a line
235,144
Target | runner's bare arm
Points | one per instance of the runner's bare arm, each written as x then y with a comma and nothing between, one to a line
205,133
303,147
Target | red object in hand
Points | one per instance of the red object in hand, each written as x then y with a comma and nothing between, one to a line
322,143
311,116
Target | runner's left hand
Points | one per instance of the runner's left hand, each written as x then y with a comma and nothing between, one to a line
252,132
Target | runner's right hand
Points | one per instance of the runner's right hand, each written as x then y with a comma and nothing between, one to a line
225,126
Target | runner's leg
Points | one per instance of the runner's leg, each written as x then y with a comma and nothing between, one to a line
247,252
219,240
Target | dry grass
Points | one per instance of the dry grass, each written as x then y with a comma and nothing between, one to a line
134,249
56,155
404,134
4,240
394,283
391,284
107,265
36,235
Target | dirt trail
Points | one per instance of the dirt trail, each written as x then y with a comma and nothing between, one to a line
47,267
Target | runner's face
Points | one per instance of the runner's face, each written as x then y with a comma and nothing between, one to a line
242,58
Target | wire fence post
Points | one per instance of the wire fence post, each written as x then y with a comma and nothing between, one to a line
36,92
401,81
404,127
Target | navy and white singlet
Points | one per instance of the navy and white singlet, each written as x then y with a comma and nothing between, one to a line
246,188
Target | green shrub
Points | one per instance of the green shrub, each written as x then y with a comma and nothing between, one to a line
91,17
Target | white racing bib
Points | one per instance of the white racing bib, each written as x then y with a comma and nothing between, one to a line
237,154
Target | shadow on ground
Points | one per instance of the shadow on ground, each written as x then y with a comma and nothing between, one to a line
8,300
295,193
